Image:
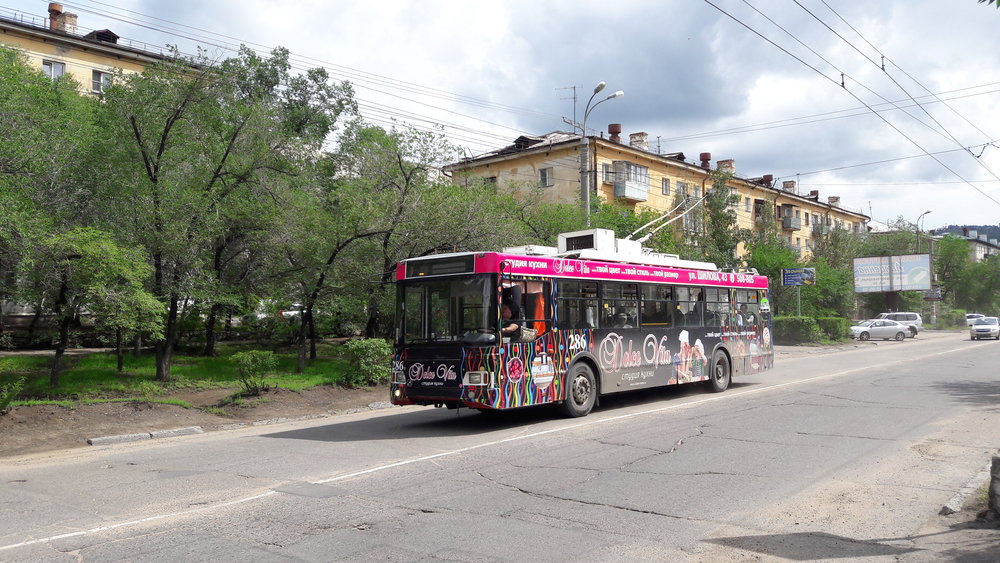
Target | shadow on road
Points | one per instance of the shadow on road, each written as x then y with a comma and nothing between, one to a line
467,422
973,542
810,546
979,393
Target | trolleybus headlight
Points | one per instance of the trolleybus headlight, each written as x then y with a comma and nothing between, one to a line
477,378
399,377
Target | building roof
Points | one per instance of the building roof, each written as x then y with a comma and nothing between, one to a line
102,41
534,143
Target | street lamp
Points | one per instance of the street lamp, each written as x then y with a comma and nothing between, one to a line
585,145
919,230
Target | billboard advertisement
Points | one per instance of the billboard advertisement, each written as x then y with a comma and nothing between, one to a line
798,276
910,272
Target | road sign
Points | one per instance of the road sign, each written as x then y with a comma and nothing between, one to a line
932,294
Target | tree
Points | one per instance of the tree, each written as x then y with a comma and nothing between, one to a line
84,271
769,254
721,236
951,263
190,147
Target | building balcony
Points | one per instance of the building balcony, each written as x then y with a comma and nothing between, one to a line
791,223
631,190
821,229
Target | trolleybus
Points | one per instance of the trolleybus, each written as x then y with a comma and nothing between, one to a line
596,315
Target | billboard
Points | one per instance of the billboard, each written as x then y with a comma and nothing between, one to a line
798,276
892,273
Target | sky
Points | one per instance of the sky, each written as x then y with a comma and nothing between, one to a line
893,105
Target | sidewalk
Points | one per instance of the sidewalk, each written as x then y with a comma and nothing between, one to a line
958,533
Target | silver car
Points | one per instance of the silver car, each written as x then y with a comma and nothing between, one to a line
879,328
985,327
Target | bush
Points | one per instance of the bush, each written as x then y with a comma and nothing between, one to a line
795,330
372,358
9,392
834,328
253,365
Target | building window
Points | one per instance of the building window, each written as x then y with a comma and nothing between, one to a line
746,205
545,177
490,181
100,81
807,219
682,189
665,186
53,69
734,197
608,173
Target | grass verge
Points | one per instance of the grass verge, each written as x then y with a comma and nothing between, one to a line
94,378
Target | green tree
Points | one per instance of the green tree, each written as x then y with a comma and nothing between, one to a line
951,263
184,171
721,236
85,270
769,254
44,127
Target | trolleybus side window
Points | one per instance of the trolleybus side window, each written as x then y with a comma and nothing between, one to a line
576,304
657,305
529,302
716,306
748,306
619,301
690,305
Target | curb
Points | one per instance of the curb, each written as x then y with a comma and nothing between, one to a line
955,504
123,438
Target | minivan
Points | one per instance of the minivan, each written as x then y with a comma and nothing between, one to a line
911,320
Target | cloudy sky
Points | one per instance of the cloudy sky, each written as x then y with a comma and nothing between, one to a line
757,81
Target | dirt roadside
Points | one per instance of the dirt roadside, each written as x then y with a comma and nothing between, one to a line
37,429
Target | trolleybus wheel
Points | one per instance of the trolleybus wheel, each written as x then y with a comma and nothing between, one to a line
581,391
721,374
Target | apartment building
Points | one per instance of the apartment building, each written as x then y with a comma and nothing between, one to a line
642,179
57,46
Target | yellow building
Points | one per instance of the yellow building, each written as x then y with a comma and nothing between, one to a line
57,46
633,175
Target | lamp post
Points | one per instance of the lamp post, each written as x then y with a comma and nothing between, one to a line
919,230
585,146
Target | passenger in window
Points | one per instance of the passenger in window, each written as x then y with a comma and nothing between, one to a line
508,326
621,320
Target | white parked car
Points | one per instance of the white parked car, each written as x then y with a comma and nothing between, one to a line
985,327
912,320
879,328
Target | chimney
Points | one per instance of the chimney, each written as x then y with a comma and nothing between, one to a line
965,231
993,241
789,186
834,200
639,141
61,21
814,194
768,180
706,160
728,165
615,130
972,234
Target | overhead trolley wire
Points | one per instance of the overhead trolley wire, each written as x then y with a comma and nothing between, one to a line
856,97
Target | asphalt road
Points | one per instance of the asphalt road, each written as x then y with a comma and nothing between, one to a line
841,455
